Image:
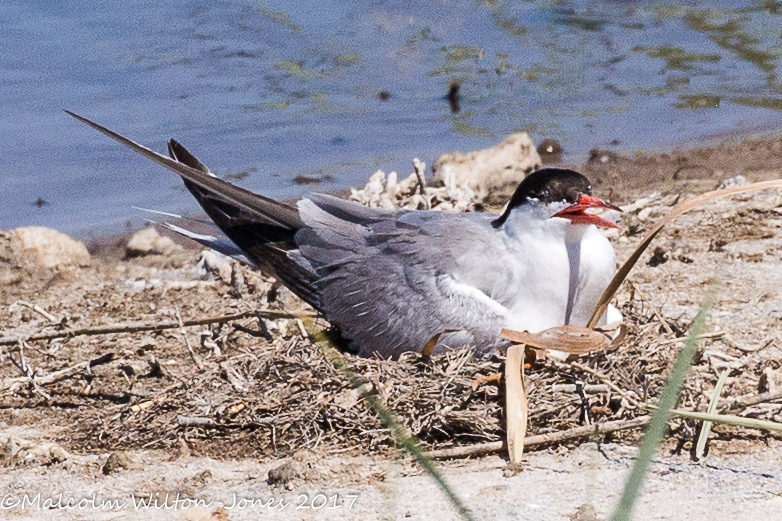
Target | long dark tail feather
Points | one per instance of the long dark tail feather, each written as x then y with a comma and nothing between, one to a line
259,206
262,240
264,229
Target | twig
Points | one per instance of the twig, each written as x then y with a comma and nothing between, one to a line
484,379
196,421
603,378
542,439
142,326
49,378
735,345
588,389
742,402
713,334
156,398
706,426
58,375
193,355
38,309
419,167
37,389
654,309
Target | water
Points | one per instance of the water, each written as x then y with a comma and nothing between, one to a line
264,92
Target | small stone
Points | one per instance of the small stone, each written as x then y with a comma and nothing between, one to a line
149,242
284,474
602,157
659,256
550,151
645,213
183,449
733,182
585,512
116,461
770,381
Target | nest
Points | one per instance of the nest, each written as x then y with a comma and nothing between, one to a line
284,393
260,385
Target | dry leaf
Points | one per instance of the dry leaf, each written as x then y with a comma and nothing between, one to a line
570,339
516,403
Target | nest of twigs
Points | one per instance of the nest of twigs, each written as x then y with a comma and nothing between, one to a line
282,393
261,385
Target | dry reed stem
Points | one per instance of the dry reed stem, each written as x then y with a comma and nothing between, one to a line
678,210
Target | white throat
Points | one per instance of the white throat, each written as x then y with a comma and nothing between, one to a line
571,265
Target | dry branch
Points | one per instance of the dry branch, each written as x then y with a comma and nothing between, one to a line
542,439
57,375
142,326
742,402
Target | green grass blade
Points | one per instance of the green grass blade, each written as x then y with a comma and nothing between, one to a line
405,440
727,419
656,431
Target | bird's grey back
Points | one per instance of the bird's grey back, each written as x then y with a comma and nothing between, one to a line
385,277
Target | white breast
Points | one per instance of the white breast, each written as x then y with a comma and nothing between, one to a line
560,269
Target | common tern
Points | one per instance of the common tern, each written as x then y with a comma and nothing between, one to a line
390,280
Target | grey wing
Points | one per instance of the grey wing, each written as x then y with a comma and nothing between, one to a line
387,279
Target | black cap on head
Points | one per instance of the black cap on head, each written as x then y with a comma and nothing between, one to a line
547,185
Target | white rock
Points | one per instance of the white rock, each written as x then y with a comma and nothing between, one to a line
391,193
491,168
18,451
637,205
149,242
645,213
731,182
40,247
213,262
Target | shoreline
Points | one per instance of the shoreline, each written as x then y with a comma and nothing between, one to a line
620,176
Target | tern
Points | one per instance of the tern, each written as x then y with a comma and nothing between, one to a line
390,280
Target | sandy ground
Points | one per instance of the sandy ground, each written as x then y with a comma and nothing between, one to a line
737,241
552,485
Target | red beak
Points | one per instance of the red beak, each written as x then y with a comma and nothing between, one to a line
577,215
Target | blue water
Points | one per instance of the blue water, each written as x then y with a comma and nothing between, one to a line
267,91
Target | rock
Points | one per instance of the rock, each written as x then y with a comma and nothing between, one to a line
39,247
214,264
183,449
550,151
116,461
284,474
491,168
600,156
659,256
412,193
585,512
149,242
770,381
18,451
733,182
